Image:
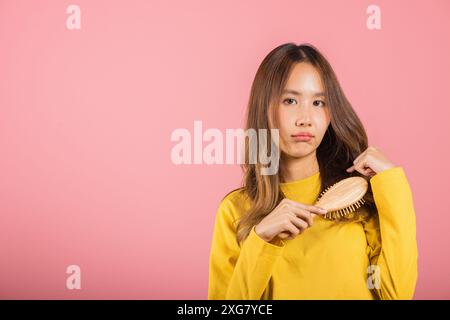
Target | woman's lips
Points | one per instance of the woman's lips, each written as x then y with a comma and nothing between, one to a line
302,137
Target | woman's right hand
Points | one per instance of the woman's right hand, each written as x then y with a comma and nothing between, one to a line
287,220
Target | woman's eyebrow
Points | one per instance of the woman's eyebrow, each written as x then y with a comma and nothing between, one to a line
317,94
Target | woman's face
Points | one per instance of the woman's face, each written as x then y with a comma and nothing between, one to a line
302,109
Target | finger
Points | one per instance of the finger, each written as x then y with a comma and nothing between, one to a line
287,236
308,212
358,158
317,210
284,235
364,171
359,168
306,216
302,214
356,161
370,172
312,216
301,224
362,168
298,225
310,208
292,230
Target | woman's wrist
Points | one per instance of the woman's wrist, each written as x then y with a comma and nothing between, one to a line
261,234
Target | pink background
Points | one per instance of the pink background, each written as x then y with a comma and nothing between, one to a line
86,118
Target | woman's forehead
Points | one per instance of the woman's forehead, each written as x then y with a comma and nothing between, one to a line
304,79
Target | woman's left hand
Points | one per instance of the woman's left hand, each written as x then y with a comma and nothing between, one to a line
371,162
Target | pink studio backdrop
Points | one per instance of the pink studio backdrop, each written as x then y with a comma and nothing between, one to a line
86,118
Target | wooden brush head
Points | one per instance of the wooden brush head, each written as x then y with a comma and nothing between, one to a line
343,197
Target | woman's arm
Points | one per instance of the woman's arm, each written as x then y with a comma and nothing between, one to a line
239,272
391,236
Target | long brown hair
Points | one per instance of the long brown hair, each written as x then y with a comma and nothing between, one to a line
343,141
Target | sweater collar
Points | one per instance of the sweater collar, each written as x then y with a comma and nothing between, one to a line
310,182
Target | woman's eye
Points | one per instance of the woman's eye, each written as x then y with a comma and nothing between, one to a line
289,101
320,101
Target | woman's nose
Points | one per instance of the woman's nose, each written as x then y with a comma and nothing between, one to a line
301,123
303,117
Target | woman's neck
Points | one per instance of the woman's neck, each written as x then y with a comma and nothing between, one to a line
293,169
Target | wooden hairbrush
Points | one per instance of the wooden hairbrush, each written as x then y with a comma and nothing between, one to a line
343,197
340,199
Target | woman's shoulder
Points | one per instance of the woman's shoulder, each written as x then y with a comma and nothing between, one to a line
236,202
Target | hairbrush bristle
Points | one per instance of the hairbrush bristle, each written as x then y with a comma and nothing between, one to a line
332,215
345,197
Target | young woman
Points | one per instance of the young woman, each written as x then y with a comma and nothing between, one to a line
270,241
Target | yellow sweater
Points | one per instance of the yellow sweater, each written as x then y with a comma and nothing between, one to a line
326,261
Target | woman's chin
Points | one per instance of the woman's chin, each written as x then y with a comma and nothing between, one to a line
300,152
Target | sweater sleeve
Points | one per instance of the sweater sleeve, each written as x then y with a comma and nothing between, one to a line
239,271
391,237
